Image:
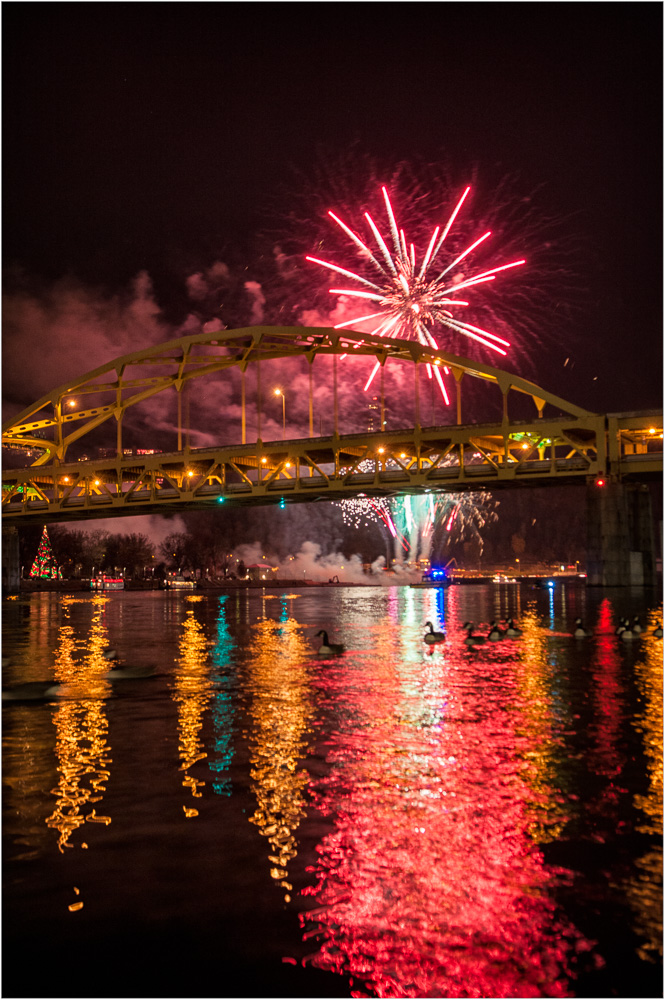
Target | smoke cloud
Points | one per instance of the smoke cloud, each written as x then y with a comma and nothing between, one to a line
154,526
55,334
258,302
201,285
310,564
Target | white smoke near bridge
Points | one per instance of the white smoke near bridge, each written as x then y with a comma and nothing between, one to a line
312,565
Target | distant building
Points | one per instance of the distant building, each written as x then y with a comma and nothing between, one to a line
373,415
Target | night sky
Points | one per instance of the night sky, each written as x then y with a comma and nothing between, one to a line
146,143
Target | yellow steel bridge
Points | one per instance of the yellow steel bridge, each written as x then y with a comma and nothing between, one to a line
558,443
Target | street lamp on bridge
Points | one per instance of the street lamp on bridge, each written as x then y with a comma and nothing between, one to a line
278,392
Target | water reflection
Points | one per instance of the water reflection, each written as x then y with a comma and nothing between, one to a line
431,884
605,756
223,707
193,691
644,887
446,776
81,747
282,714
544,714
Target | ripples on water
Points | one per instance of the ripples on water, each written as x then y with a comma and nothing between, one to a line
416,820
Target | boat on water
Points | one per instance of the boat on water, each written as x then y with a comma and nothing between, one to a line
501,578
180,583
107,583
433,578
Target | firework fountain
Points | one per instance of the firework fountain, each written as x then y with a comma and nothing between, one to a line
414,522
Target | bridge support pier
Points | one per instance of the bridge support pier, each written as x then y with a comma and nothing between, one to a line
621,548
11,561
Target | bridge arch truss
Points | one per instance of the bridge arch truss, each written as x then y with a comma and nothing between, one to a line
560,443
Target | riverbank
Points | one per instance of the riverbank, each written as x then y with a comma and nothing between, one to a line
78,586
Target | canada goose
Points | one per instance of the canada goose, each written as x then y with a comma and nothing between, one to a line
580,631
32,691
658,631
637,627
623,624
433,636
495,633
471,639
627,633
513,629
122,672
327,648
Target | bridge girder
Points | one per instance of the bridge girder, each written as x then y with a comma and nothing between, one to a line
193,357
416,461
560,448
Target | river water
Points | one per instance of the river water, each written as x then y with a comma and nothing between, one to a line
400,820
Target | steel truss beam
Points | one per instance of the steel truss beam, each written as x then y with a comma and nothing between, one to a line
420,460
550,449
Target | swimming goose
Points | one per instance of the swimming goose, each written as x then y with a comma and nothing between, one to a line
471,639
658,631
580,631
32,691
495,633
433,636
627,633
623,624
122,672
637,627
327,648
513,629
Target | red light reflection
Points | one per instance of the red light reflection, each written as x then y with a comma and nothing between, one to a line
431,884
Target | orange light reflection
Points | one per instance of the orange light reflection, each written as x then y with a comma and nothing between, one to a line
282,714
538,739
644,888
193,691
81,747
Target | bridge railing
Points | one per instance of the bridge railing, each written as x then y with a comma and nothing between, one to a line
416,460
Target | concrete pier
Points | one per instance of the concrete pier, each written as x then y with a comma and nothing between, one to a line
621,549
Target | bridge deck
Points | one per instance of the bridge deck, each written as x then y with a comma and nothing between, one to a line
408,461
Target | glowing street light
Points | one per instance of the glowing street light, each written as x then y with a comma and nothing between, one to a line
278,392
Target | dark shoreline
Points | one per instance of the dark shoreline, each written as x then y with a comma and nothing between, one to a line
79,586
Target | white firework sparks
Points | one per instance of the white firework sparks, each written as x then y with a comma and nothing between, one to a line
413,296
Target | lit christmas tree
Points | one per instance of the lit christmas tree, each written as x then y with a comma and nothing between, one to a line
45,564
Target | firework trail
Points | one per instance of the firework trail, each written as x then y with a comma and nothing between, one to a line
362,508
444,518
410,295
414,522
